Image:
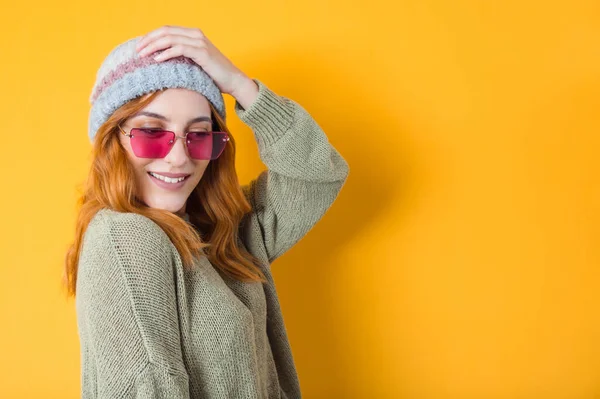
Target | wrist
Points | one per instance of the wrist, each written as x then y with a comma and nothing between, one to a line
245,92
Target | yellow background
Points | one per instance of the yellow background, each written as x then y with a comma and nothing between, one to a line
461,259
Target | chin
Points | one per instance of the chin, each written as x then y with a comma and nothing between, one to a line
171,206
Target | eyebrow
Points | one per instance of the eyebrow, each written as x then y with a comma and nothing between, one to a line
164,118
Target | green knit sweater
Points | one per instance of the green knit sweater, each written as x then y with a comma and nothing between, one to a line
149,328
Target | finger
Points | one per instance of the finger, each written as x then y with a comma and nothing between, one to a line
158,32
165,30
169,53
191,52
169,41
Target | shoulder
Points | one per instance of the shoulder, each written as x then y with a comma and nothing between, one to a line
119,223
125,227
129,239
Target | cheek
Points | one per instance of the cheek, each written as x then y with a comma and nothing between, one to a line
199,170
201,167
140,165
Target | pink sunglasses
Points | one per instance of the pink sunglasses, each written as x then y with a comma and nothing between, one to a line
156,143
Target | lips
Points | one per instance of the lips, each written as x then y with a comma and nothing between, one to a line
168,186
167,174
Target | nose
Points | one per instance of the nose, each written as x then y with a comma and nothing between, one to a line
178,155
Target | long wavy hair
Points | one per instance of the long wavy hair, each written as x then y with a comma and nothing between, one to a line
215,207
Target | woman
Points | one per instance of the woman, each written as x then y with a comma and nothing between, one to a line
171,259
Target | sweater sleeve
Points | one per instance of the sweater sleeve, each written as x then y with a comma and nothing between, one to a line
304,175
127,311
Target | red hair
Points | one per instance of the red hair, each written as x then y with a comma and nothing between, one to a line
215,207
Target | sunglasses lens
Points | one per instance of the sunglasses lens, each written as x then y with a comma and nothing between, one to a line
147,143
206,145
154,143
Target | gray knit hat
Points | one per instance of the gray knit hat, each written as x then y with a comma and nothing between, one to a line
124,76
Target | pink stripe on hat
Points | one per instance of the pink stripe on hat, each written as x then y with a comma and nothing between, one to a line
131,66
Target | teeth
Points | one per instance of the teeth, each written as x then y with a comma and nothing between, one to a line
168,179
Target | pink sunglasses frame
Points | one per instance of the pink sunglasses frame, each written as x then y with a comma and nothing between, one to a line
176,137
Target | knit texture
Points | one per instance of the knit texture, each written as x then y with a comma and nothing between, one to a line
124,75
149,328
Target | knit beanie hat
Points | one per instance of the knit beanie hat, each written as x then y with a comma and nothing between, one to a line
124,76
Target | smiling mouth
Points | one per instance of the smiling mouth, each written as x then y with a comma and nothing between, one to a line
169,180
